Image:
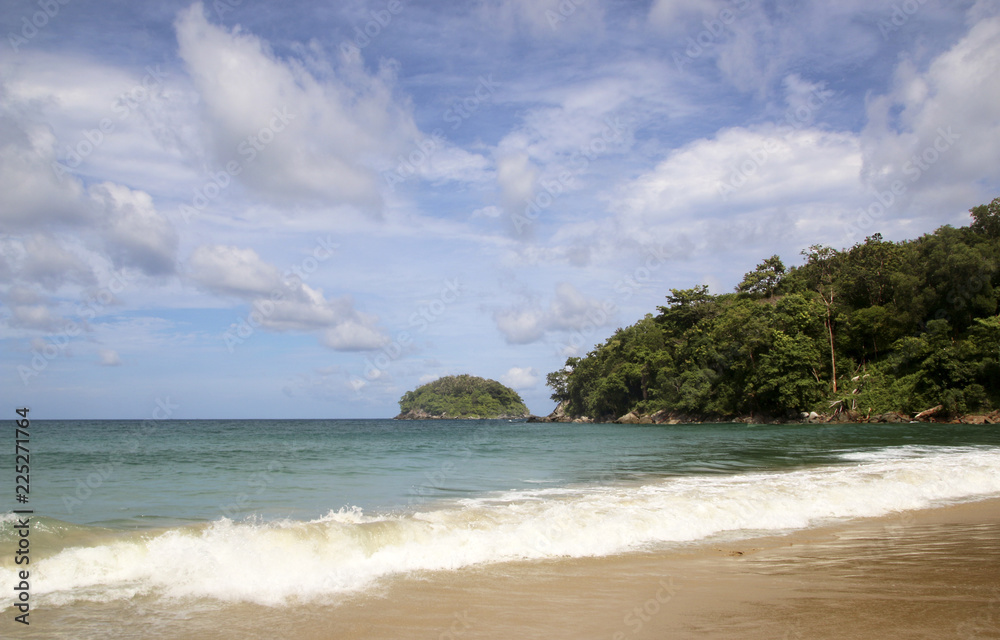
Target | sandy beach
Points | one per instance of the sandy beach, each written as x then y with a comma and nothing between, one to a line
931,573
921,574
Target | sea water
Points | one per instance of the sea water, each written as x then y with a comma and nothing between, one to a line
286,512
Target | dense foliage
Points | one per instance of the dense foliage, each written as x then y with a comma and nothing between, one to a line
464,396
879,327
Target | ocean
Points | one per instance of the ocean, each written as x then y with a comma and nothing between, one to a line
151,521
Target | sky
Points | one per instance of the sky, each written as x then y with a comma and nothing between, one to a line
245,209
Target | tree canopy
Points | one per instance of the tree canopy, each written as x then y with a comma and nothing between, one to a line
879,327
463,396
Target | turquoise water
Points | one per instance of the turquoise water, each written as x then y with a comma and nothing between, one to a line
316,508
89,472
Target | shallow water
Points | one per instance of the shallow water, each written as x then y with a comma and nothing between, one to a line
250,520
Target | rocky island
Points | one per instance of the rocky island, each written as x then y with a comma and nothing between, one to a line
462,397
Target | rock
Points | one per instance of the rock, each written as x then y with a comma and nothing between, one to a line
559,412
645,420
973,420
629,418
660,416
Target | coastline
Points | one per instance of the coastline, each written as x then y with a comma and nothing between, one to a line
664,416
916,574
927,573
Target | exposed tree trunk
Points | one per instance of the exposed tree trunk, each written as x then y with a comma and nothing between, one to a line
829,328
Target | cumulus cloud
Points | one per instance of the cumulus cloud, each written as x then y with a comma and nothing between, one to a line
282,302
938,127
568,310
109,358
32,193
739,170
47,262
229,270
520,377
301,129
135,234
516,176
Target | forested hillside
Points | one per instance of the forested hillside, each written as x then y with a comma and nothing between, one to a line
462,396
881,326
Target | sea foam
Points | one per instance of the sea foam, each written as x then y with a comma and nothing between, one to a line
346,551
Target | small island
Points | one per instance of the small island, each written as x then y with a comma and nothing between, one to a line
462,397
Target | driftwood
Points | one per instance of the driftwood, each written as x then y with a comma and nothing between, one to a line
928,412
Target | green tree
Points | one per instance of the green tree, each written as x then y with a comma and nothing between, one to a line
986,219
764,280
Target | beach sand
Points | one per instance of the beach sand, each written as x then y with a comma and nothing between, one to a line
921,574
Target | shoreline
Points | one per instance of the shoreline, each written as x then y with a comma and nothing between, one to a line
915,574
923,573
664,416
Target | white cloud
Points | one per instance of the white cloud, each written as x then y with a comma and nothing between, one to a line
233,271
303,131
109,358
738,170
47,262
135,234
34,316
938,128
283,303
568,310
516,176
31,192
520,377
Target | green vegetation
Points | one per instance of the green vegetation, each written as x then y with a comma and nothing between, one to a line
879,327
462,396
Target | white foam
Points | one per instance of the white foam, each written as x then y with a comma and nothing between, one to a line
347,550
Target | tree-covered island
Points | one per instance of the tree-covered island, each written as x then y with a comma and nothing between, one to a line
882,331
461,397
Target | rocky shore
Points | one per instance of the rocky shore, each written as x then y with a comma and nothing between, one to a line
420,414
934,414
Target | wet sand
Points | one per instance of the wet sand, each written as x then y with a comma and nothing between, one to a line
923,574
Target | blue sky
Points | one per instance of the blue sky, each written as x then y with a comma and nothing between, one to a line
306,209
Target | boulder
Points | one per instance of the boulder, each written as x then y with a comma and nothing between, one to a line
629,418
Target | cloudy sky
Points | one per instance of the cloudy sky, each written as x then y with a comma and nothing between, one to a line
303,210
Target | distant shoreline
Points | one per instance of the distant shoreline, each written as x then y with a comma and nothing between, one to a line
933,415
